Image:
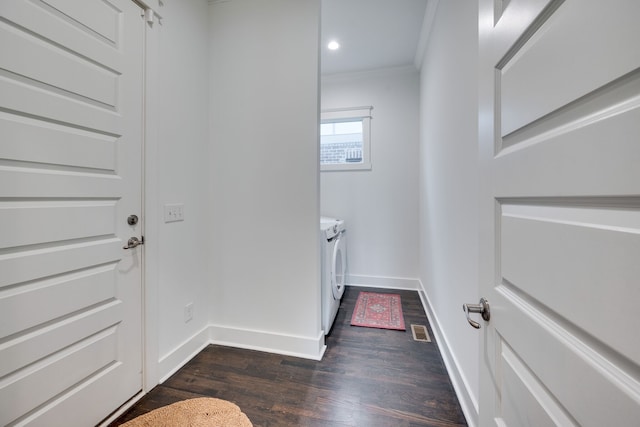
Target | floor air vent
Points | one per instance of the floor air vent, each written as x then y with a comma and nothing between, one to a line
420,333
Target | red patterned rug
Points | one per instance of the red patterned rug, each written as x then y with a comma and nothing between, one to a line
374,310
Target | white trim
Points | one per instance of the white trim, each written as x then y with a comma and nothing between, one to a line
151,218
384,282
425,32
377,72
121,410
460,384
176,359
332,114
290,345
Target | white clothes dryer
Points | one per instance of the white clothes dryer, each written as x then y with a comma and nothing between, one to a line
333,268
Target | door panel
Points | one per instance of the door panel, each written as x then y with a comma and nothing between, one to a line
39,262
42,343
49,378
560,62
525,397
55,145
74,291
569,154
589,381
70,175
579,263
559,132
101,17
64,72
43,222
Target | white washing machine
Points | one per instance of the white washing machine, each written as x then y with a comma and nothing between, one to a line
333,267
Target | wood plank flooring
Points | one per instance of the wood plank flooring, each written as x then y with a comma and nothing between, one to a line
367,378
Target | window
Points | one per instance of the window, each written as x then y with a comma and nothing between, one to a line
344,139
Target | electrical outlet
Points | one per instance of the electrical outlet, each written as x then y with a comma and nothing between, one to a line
188,312
174,212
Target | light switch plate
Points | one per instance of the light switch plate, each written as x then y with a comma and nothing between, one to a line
174,212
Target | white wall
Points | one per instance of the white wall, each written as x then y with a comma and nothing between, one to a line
380,206
247,252
448,190
264,175
177,170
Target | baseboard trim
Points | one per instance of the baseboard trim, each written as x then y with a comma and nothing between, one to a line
121,410
403,283
178,357
460,385
311,348
289,345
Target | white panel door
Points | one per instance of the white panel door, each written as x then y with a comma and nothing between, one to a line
560,160
70,175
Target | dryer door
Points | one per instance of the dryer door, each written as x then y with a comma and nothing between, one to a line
339,266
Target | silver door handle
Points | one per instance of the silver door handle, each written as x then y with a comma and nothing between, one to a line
482,308
134,242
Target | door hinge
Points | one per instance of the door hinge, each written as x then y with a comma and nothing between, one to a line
148,16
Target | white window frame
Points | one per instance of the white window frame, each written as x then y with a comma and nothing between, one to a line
345,115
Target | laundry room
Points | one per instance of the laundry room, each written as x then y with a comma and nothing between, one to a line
378,205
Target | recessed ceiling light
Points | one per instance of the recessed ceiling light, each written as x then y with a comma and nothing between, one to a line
333,45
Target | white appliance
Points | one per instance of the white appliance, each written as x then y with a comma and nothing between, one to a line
333,267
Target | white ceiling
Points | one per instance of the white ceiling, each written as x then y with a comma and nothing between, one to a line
372,33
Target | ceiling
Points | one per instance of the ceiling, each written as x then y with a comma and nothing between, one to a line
372,34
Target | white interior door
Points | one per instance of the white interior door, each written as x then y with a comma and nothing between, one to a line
70,175
560,154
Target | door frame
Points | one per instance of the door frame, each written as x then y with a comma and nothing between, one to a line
151,91
150,214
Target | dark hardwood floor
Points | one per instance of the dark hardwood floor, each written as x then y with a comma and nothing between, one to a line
367,378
